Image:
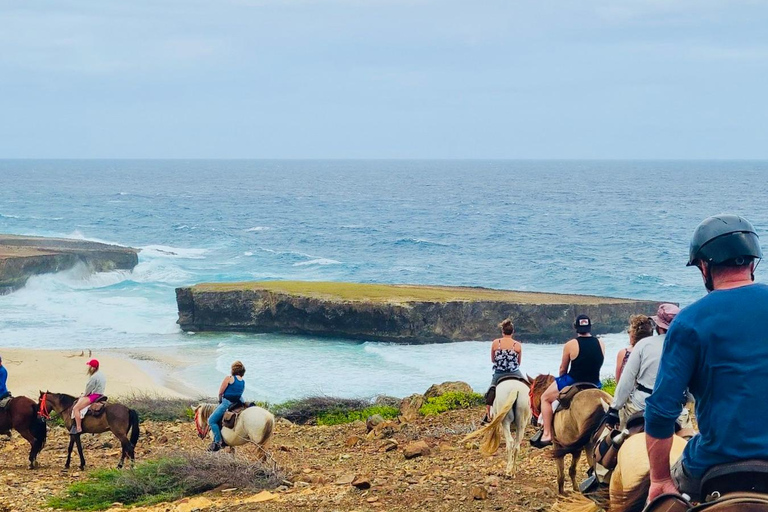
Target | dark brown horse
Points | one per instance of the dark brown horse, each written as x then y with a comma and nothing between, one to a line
573,428
117,418
21,415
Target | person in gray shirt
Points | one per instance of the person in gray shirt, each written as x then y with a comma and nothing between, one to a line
639,375
94,390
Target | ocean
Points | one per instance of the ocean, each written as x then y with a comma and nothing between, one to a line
617,228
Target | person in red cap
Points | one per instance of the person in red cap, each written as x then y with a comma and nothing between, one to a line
639,375
94,390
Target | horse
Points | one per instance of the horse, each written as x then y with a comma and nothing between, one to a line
21,415
630,481
117,418
510,405
253,425
573,427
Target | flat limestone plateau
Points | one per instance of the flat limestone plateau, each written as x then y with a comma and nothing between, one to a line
395,313
24,256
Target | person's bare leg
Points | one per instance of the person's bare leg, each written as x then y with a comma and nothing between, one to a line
79,405
549,396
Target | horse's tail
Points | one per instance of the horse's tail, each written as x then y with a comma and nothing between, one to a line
576,503
584,437
634,498
269,425
492,431
133,426
39,429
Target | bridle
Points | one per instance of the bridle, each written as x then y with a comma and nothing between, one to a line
534,410
202,432
44,412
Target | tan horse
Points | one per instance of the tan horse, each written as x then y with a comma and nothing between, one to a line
509,406
630,480
573,427
253,425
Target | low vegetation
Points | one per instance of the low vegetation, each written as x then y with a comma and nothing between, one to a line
340,417
451,401
158,408
166,479
309,410
401,293
609,385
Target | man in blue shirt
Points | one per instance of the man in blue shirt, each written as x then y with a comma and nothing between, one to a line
717,347
3,380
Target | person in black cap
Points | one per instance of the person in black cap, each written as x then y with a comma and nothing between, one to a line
718,348
582,358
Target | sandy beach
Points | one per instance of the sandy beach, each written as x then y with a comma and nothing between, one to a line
64,371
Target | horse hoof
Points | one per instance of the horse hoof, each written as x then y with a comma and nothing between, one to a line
66,466
82,468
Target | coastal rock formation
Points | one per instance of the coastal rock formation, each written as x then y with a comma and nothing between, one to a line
25,256
395,313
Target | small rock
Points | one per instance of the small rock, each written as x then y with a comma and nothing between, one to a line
372,421
362,483
352,441
479,492
372,499
409,406
162,440
345,479
388,445
416,449
492,480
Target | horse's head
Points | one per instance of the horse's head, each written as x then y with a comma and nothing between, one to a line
201,424
538,386
44,410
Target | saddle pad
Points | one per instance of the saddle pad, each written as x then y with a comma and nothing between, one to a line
5,401
567,393
95,409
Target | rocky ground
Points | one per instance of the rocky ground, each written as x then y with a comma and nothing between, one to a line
321,464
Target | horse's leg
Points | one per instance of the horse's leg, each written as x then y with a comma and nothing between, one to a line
572,470
79,443
520,423
125,445
69,450
505,426
26,434
560,461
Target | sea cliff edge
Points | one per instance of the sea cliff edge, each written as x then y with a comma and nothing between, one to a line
395,313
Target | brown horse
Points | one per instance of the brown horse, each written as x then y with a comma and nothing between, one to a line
21,415
117,418
573,427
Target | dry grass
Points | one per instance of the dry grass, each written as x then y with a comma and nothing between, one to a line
401,293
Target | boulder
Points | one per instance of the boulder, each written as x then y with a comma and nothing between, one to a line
386,401
416,449
362,482
448,387
409,406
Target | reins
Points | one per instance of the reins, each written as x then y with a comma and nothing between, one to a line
534,410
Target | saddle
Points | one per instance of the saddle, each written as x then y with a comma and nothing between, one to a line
490,395
98,407
5,400
234,410
739,486
567,393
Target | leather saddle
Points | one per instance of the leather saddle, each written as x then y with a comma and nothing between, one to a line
568,392
5,400
98,407
234,410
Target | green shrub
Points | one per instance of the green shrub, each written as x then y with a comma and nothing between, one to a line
165,480
348,416
308,410
451,401
609,385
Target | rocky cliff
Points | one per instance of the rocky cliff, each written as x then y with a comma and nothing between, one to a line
395,313
25,256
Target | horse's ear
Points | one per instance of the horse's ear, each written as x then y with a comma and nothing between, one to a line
605,404
530,380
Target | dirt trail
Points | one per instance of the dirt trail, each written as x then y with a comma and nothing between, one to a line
320,461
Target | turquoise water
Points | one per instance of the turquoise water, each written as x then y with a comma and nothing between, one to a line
607,228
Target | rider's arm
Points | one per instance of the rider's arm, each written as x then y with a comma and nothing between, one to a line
565,361
679,359
519,349
223,386
626,384
619,360
493,352
90,386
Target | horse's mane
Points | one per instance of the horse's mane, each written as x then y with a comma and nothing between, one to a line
541,380
206,410
65,400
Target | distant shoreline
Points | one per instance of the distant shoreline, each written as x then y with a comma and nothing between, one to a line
128,372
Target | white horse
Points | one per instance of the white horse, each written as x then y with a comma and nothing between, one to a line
253,425
510,405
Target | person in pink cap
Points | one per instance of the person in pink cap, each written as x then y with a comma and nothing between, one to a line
94,390
639,375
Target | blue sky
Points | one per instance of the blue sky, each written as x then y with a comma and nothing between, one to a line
383,79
